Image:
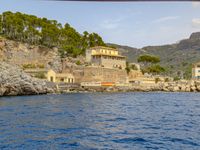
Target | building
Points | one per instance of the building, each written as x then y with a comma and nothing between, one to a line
60,77
196,71
105,57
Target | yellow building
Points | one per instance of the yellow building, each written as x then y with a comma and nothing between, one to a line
60,77
196,71
105,57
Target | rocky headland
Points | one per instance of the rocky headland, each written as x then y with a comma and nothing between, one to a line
13,81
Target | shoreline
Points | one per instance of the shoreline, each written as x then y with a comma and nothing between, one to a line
89,92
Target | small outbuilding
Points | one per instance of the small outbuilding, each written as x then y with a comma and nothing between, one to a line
60,77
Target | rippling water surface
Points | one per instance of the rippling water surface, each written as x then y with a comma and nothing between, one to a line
101,121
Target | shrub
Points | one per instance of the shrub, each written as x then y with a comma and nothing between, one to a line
78,62
157,80
148,59
176,78
134,67
156,69
40,65
40,75
28,66
166,79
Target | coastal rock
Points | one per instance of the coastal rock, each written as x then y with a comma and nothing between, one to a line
13,81
193,88
198,88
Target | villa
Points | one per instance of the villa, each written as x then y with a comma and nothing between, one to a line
105,57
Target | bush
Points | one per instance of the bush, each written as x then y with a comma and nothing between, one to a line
176,78
156,69
134,67
166,79
148,59
157,80
28,66
128,70
78,62
40,75
40,66
32,66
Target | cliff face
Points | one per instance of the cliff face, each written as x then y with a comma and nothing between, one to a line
22,53
13,81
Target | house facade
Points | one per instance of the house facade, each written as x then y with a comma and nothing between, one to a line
60,77
196,71
105,57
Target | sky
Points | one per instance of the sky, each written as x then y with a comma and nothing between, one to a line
135,24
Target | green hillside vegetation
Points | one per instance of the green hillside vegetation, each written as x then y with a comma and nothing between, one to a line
148,59
50,33
177,59
150,64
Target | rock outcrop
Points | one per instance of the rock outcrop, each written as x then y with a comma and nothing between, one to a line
13,81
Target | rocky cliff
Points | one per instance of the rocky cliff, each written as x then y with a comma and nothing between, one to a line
19,53
13,81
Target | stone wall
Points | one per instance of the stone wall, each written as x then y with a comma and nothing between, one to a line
113,62
107,62
99,74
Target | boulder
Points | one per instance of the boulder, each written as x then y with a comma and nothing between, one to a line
193,88
176,89
198,88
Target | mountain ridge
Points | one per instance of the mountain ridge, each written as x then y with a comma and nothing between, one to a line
177,58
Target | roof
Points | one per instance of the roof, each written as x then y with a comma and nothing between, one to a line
109,55
104,47
63,75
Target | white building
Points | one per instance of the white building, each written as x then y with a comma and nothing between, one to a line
196,71
105,57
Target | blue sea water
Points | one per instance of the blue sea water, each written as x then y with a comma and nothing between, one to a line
132,121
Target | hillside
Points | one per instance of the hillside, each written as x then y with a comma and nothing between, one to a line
49,33
177,58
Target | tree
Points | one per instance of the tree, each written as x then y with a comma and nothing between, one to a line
148,59
1,22
154,69
50,33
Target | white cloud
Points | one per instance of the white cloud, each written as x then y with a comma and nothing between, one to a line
196,22
110,24
195,4
167,18
117,21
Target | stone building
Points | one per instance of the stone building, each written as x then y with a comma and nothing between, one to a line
105,57
196,71
60,77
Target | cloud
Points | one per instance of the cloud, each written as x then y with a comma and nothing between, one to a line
167,18
196,22
110,24
195,4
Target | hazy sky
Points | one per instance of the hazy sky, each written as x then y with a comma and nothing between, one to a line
134,24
